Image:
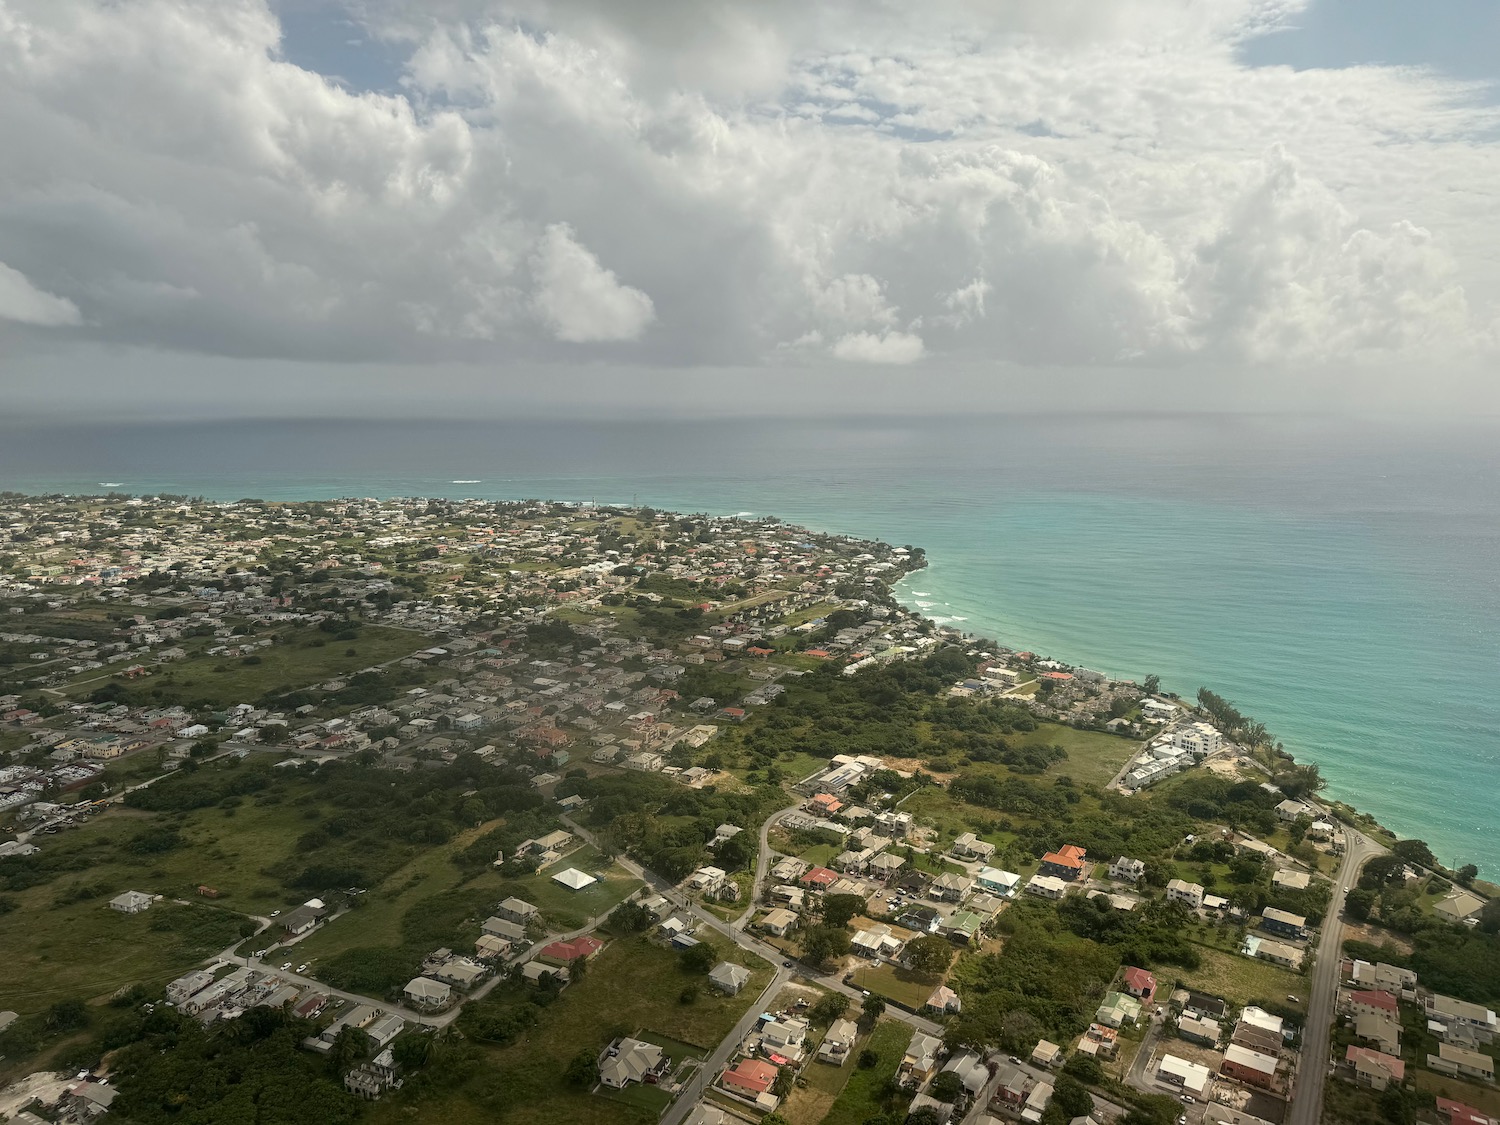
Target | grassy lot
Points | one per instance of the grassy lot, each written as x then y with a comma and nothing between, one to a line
301,658
1241,979
1478,1095
864,1094
633,986
87,950
1093,758
898,984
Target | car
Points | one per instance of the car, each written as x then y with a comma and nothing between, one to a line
1015,1061
1182,1119
302,968
865,992
1290,999
786,964
287,966
275,914
1188,1098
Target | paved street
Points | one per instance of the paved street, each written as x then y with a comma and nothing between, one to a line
1312,1070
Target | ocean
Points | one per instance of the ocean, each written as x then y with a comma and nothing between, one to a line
1339,580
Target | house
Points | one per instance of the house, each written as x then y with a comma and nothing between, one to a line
423,992
1047,1053
490,948
973,847
1189,894
1374,1069
707,880
1127,870
1262,1020
705,1114
1260,1039
1195,1029
303,919
460,973
750,1078
1117,1010
818,878
130,902
516,910
998,882
574,879
1202,1004
838,1042
943,1000
385,1028
781,1039
631,1060
951,886
1459,1061
1140,984
778,922
1388,978
185,986
962,926
1289,810
1011,1085
1099,1041
728,977
787,869
920,1062
1065,863
1288,880
971,1071
512,932
1477,1023
1251,1067
1374,1003
1457,1113
1189,1076
875,941
1046,886
1458,906
1281,922
88,1100
566,952
535,972
1276,952
1381,1031
1037,1102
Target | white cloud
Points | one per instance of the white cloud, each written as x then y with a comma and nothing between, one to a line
579,300
23,302
888,347
1043,182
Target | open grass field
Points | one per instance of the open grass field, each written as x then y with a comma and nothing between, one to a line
1241,979
632,986
302,658
863,1095
1093,758
901,985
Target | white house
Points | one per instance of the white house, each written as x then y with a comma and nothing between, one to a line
1189,894
131,902
1046,886
1127,870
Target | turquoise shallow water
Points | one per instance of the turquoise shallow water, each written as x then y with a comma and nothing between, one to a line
1339,581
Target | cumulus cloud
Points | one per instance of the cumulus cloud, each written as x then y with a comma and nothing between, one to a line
705,183
888,347
23,302
579,300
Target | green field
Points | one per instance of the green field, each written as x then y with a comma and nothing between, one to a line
864,1096
1242,979
633,986
901,985
301,658
1093,758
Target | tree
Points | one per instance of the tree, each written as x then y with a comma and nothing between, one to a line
1359,903
871,1009
829,1008
583,1070
839,909
1085,1068
1069,1095
1152,684
1467,874
1414,851
947,1087
822,943
930,954
924,1116
699,958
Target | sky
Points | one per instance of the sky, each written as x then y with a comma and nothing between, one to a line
453,207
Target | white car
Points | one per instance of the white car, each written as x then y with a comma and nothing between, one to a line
275,914
302,968
287,966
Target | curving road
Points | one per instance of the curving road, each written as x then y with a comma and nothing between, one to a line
1312,1067
762,863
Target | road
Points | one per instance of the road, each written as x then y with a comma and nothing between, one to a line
1312,1067
762,863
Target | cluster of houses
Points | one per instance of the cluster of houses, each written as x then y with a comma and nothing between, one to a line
1248,1050
1370,1001
1181,746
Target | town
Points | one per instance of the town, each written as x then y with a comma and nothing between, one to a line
573,813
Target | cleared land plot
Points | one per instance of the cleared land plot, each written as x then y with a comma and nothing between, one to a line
907,988
864,1094
633,986
1242,979
1481,1097
1093,758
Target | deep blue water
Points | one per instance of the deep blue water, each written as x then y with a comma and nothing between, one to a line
1338,580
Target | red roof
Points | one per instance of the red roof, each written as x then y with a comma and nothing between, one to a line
584,946
1374,999
751,1074
821,876
1058,676
1459,1114
1062,859
1139,981
1389,1063
1073,850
